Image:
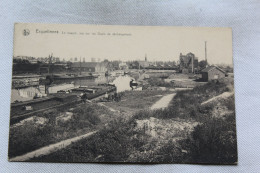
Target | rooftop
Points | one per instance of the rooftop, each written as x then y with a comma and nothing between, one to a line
207,69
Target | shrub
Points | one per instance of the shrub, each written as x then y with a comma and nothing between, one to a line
27,138
213,142
85,115
159,82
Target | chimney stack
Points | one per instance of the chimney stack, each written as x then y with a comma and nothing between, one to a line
206,54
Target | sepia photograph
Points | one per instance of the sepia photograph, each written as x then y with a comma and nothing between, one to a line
122,94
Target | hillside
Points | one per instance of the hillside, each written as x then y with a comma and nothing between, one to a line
185,132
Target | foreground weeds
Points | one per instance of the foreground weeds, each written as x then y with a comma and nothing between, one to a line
31,136
185,132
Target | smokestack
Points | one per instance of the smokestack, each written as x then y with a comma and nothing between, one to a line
192,63
206,54
80,66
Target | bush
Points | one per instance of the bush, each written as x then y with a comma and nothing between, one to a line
111,144
85,115
30,136
159,82
213,142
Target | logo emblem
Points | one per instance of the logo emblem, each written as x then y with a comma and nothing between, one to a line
26,32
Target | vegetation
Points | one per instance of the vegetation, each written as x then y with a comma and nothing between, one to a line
163,75
159,82
31,135
132,101
213,139
202,64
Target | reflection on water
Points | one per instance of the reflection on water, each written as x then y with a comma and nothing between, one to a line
24,94
93,82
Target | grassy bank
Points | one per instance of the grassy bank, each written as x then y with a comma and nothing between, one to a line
159,82
186,132
133,101
57,126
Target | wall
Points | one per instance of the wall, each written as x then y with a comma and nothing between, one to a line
205,76
214,72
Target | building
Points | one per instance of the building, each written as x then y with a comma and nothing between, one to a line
56,59
123,66
93,59
188,63
89,67
212,73
145,63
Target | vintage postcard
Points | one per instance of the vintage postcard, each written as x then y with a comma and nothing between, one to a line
122,94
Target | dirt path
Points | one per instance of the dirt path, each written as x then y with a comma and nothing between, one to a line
163,102
50,148
221,96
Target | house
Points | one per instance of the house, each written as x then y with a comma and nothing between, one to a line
188,63
212,73
89,66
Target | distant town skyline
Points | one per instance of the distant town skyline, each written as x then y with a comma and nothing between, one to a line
157,43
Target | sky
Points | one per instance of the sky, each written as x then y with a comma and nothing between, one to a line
125,43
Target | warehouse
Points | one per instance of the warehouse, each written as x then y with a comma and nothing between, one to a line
89,66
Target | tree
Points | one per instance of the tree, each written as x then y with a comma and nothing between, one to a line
229,69
115,64
202,64
134,65
69,64
109,66
106,60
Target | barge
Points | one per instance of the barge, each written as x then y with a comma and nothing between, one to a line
38,106
64,77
